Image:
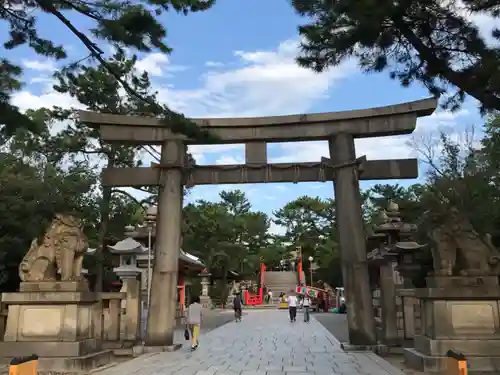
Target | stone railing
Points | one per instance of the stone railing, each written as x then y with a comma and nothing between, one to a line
409,312
111,315
408,321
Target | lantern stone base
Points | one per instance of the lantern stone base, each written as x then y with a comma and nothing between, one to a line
56,321
465,320
206,301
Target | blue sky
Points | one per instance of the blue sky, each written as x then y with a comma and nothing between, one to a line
237,59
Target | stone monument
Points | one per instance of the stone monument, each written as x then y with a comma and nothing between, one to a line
54,315
460,306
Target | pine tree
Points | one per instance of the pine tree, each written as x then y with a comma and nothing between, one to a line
121,23
430,41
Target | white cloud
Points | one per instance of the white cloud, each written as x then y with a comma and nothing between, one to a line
39,65
484,21
214,64
27,100
277,229
264,83
228,160
157,65
199,151
43,80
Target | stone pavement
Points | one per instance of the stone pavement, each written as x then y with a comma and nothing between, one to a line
265,343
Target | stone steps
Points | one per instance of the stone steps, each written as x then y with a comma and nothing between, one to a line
280,282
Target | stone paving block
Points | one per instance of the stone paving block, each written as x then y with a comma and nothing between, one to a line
205,372
319,368
294,369
271,368
346,370
265,343
184,371
237,367
218,368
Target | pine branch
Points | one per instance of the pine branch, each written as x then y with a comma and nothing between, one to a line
174,121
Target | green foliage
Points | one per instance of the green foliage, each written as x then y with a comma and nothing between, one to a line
226,235
429,41
117,23
378,197
310,224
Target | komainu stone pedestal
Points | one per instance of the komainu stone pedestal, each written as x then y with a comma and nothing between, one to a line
462,318
58,322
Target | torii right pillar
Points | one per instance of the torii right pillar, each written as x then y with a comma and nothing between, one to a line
351,230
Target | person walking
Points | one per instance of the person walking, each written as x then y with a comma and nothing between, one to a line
194,320
306,304
292,306
237,306
269,296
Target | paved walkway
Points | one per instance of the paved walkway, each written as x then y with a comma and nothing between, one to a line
265,343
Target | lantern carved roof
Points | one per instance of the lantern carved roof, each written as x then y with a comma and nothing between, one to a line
127,246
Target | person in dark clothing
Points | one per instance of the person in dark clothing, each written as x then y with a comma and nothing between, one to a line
342,308
237,305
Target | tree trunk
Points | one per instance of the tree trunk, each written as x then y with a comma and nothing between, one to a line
103,231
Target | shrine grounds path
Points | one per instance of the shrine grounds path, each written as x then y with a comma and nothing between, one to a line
265,343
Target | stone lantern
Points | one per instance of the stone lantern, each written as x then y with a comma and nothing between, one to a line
129,273
396,257
399,235
383,257
205,284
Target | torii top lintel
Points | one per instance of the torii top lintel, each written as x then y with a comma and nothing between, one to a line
374,122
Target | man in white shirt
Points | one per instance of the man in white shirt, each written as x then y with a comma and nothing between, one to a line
292,306
306,303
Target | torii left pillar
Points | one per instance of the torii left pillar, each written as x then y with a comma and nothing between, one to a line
162,311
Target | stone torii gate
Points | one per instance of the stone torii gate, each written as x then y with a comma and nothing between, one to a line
175,170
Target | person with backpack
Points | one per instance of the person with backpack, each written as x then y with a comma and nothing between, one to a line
237,306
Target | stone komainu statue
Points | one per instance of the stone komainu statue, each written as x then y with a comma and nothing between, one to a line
59,253
459,247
